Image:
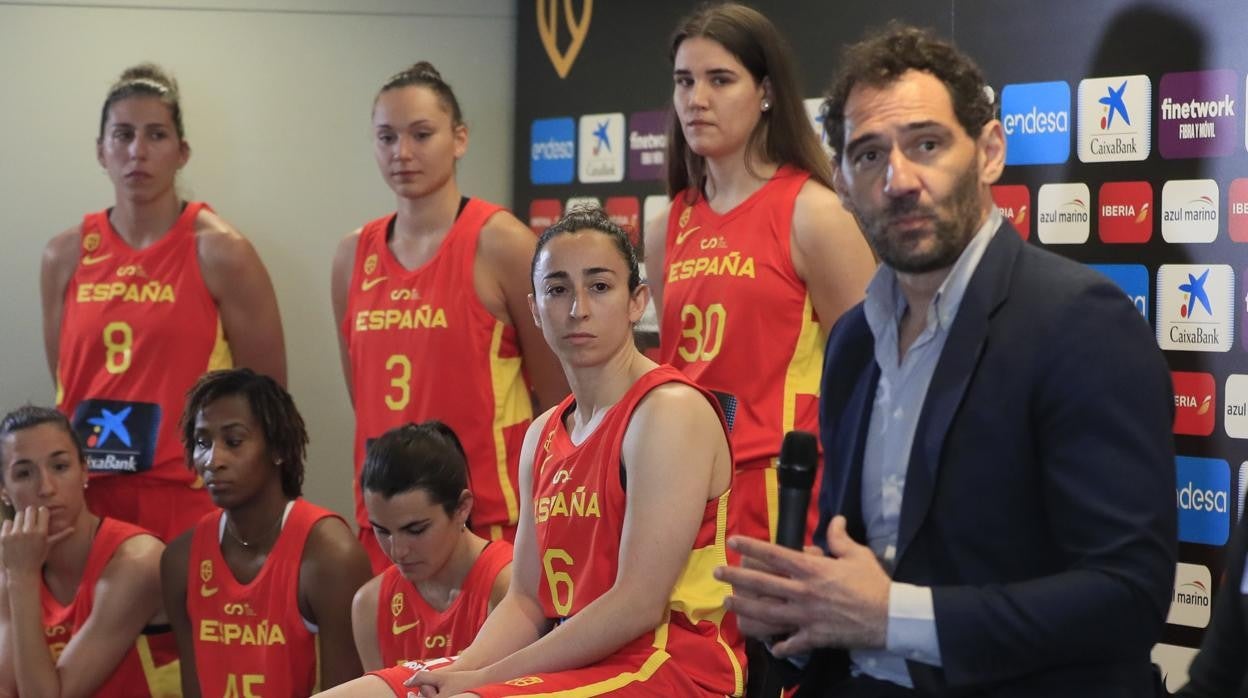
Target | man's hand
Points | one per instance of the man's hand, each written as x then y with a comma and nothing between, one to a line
837,601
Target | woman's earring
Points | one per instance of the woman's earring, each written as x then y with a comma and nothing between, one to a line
766,104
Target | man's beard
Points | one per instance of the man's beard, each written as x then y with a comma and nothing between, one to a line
952,231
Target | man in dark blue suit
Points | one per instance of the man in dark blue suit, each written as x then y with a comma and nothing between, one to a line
998,505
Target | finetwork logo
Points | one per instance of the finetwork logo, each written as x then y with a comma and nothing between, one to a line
1203,490
1189,210
647,145
1013,202
1193,596
1235,414
1194,307
1197,114
1126,212
552,151
1132,279
1063,213
1195,403
1115,118
1036,118
602,148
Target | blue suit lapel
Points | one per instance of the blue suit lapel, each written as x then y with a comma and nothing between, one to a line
988,288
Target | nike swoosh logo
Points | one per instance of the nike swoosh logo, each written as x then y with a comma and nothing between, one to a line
400,629
88,260
368,284
208,591
680,237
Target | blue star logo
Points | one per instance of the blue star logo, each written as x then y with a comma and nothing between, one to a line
1195,288
1113,100
112,424
601,139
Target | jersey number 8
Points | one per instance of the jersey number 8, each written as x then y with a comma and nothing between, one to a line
118,342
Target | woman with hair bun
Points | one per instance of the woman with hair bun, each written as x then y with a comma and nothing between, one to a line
142,298
442,281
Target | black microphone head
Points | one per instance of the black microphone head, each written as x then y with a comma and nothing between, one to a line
799,455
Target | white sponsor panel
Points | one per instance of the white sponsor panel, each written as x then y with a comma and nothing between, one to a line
1193,596
1115,118
1174,662
1190,210
1064,213
1235,413
581,202
1195,307
602,148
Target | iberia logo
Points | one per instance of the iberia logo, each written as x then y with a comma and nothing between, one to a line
548,15
1012,200
91,241
370,264
1195,396
396,604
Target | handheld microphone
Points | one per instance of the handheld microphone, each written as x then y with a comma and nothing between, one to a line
799,456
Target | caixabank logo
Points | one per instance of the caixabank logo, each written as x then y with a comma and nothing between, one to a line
1203,491
602,151
1115,118
1189,210
552,150
1195,307
1197,114
1036,119
1132,279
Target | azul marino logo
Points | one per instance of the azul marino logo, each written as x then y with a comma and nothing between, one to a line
1189,210
1132,279
552,151
1197,114
1063,213
1203,491
1036,118
1114,118
1194,307
602,148
1192,596
120,437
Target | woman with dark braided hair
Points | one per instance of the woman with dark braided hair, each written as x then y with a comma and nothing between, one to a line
441,282
139,300
256,588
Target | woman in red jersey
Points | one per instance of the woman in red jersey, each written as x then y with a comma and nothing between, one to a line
76,589
445,579
755,258
624,508
139,300
442,281
260,589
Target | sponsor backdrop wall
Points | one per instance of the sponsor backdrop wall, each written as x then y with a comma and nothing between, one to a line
1127,151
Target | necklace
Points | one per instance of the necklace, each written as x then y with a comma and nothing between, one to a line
277,525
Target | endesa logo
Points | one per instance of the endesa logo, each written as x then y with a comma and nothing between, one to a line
1194,307
1036,118
1203,490
543,213
1064,215
1125,212
1235,414
1013,200
1193,596
552,151
1197,114
1195,403
1189,210
1115,121
1132,279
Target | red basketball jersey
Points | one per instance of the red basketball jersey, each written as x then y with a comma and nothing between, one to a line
408,628
579,505
150,666
422,346
250,639
138,328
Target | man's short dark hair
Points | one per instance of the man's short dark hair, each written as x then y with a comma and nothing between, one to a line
881,59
